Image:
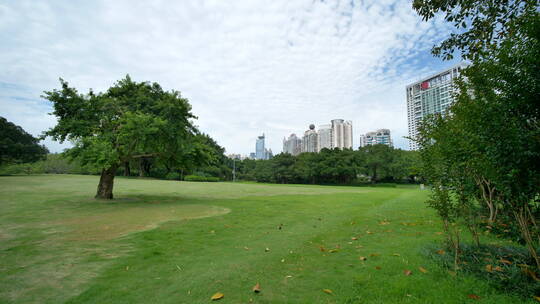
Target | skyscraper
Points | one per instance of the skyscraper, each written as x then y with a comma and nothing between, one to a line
429,96
260,151
325,137
341,134
381,136
292,145
310,139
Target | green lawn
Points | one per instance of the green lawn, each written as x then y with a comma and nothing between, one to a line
181,242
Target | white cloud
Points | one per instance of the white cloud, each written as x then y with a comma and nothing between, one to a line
247,66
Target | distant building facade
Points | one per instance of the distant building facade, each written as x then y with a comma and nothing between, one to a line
260,150
310,140
292,145
325,137
341,134
236,156
379,137
429,96
337,134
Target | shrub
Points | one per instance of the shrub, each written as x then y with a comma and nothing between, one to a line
506,267
172,176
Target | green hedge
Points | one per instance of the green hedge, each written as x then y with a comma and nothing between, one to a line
197,178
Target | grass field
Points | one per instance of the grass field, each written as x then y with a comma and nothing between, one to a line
181,242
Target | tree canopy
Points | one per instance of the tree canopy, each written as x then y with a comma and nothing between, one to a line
131,120
483,159
378,163
481,26
17,146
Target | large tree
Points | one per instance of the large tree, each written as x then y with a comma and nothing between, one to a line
491,139
131,120
17,146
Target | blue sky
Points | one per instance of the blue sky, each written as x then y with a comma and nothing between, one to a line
247,67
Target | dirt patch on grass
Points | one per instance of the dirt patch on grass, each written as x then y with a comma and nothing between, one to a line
119,222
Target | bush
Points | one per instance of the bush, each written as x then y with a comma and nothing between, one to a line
173,176
15,169
197,178
506,267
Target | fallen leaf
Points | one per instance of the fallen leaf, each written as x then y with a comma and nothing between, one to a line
507,262
378,267
440,251
246,248
396,254
369,232
256,288
328,291
323,249
333,250
438,233
473,296
350,243
537,298
489,268
217,296
354,238
362,258
422,269
498,268
407,272
373,254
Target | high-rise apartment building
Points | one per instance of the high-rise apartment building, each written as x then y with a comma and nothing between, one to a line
292,145
379,137
325,137
341,134
310,140
430,95
338,134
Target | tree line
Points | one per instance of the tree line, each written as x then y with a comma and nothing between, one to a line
371,164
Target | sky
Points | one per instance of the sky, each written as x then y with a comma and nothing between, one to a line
247,67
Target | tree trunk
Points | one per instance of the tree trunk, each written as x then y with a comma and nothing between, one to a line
522,219
127,169
106,183
141,167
